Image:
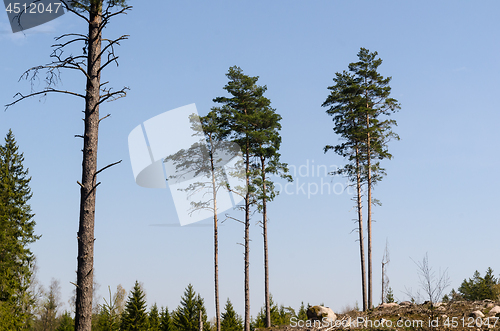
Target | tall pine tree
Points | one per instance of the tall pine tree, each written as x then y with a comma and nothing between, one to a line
241,111
206,161
267,144
17,231
358,101
343,102
374,102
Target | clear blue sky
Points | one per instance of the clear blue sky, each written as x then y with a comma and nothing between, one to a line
439,195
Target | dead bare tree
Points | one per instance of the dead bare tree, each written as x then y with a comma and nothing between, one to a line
97,54
431,283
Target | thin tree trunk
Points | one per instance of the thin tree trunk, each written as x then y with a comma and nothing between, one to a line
382,295
216,243
264,232
360,228
84,289
369,221
247,241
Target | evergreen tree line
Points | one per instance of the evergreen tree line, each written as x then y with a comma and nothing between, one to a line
126,314
476,288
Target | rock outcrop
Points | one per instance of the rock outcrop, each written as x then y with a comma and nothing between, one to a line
318,313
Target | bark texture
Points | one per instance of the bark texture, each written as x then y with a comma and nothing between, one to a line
83,316
360,229
264,233
247,241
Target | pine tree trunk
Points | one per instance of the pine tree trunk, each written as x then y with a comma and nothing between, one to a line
247,241
369,221
216,244
83,316
360,228
264,232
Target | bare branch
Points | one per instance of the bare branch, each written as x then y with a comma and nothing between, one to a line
106,167
68,8
113,95
234,219
104,117
22,97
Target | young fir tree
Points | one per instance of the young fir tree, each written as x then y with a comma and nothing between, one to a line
279,315
241,111
66,323
154,319
302,314
166,323
231,321
135,317
109,314
17,232
187,315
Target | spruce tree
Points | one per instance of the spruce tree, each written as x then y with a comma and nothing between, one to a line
302,314
187,315
16,233
66,323
154,319
277,314
135,317
166,320
230,320
109,315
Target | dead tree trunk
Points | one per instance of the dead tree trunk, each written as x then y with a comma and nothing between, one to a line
83,317
90,66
